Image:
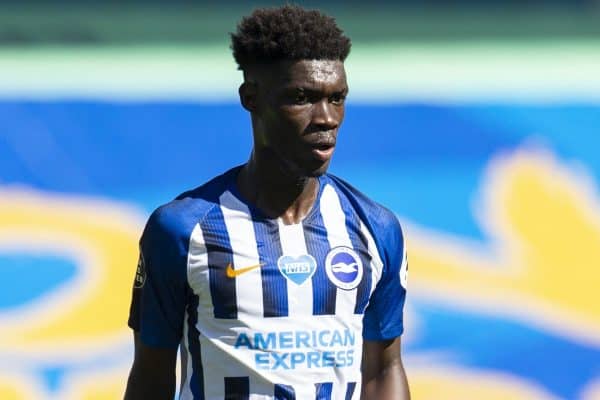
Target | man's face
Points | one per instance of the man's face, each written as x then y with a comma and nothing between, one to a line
299,109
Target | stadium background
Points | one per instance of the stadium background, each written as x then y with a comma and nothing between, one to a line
476,122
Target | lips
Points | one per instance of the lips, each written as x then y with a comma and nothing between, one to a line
321,140
321,145
322,150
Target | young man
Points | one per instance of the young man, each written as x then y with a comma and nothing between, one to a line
275,279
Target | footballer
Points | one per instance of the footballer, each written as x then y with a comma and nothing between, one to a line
275,280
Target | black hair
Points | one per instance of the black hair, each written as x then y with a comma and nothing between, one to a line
290,32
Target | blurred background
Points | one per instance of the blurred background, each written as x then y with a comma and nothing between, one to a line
476,122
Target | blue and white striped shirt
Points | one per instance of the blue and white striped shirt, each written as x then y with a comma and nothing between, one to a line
264,310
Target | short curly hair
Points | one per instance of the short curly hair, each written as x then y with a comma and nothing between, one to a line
290,32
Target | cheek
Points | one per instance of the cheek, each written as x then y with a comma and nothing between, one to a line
341,113
296,118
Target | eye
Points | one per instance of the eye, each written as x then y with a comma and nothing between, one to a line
337,98
300,98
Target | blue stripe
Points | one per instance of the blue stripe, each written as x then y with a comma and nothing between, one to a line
360,245
237,388
324,292
350,390
274,285
324,390
218,247
284,392
197,378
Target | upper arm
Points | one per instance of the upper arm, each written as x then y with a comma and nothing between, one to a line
152,375
383,375
379,355
383,318
157,310
160,289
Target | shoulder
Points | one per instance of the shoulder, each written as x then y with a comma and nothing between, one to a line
176,220
382,223
375,215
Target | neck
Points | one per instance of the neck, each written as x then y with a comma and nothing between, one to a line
275,191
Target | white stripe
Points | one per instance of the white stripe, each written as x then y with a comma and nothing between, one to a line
305,391
197,271
337,235
300,297
214,387
376,263
338,390
240,228
186,364
260,389
198,279
357,390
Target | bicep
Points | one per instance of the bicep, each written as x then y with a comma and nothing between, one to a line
378,355
152,375
383,375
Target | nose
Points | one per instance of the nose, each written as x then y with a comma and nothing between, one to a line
325,115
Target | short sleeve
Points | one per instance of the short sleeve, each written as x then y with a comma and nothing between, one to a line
160,286
383,317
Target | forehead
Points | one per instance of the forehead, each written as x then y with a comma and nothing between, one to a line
309,73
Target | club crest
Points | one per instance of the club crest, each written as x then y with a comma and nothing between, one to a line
344,267
297,269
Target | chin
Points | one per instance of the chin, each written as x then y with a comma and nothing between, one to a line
307,168
316,172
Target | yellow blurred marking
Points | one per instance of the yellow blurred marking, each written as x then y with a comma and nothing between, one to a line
544,222
14,387
458,384
105,235
9,392
106,385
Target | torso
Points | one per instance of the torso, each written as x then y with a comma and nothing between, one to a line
274,310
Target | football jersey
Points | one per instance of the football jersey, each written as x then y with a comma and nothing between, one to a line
264,310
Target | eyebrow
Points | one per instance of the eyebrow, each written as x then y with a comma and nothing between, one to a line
313,90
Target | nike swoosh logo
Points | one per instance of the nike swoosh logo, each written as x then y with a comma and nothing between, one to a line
232,273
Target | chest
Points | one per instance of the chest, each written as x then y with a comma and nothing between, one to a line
242,269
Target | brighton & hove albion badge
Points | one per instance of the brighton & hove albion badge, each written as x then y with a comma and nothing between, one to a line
344,267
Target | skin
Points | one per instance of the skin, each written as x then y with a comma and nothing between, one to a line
152,374
297,108
383,375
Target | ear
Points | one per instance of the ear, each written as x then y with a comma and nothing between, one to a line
248,93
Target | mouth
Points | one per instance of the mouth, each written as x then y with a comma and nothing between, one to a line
322,150
321,144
